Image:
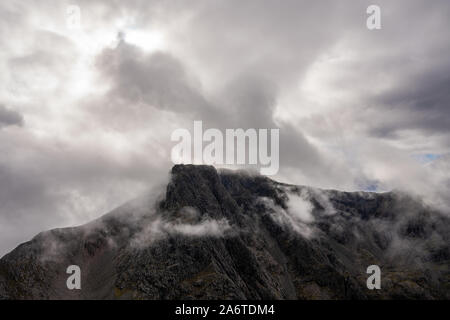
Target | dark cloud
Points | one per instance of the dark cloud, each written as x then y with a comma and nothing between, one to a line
158,80
422,104
9,117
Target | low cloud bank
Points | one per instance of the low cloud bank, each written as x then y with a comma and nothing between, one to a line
187,224
301,211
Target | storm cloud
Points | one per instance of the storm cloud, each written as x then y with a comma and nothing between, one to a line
86,113
9,117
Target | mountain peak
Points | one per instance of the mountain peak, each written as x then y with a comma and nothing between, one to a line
232,234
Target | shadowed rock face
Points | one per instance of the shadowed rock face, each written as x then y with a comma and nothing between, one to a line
231,235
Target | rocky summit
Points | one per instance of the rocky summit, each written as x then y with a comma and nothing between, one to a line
235,235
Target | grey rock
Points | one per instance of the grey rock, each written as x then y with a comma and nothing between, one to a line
216,235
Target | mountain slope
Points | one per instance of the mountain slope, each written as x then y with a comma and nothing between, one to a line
236,236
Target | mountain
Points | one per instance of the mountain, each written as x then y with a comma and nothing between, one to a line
234,235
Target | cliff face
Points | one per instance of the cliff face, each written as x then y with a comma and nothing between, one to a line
231,235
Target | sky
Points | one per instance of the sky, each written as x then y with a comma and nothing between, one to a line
87,111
